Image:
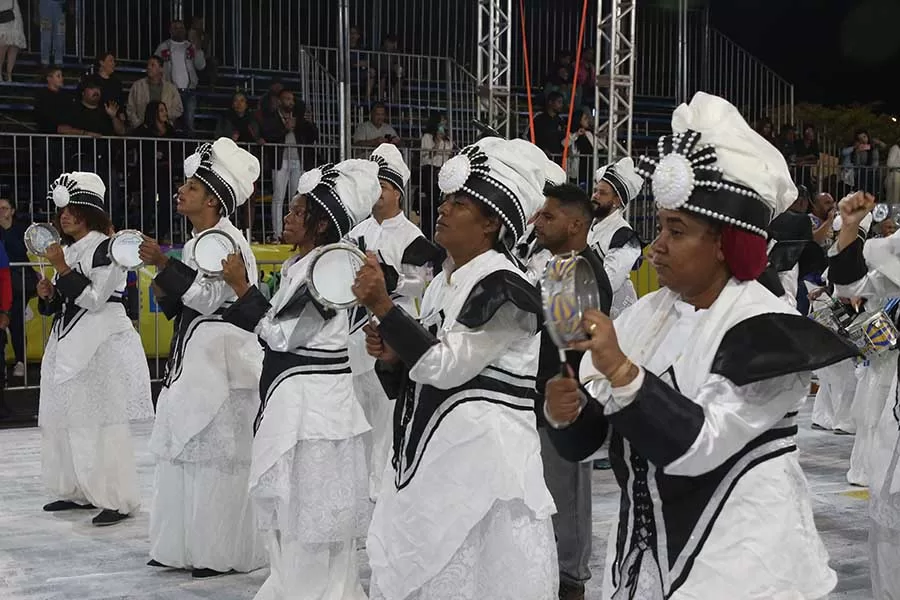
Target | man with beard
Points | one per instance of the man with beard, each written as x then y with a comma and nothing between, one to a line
611,237
561,227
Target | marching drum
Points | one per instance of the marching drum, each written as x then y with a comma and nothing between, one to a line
124,249
332,272
568,289
211,248
874,333
39,237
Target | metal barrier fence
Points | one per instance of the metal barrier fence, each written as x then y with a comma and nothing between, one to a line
29,330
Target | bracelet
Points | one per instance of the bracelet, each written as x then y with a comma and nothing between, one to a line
621,373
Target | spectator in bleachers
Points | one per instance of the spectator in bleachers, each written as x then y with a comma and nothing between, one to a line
104,73
581,149
24,279
807,157
587,77
12,36
53,30
766,129
237,123
362,74
390,70
268,103
375,131
202,39
153,87
288,127
787,143
90,117
549,130
52,103
860,161
181,62
437,148
892,179
156,159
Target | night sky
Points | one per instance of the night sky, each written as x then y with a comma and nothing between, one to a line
833,51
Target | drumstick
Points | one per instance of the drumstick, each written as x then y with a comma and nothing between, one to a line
563,365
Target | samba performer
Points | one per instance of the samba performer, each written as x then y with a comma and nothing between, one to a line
611,237
406,258
309,481
528,250
468,497
701,381
561,226
87,451
201,518
871,269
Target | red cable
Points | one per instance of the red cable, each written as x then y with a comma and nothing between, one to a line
574,82
527,72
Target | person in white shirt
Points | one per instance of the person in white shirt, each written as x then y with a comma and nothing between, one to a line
437,148
376,130
182,61
611,237
406,258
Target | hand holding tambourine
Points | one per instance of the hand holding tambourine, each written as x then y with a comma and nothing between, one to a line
369,287
234,272
563,398
375,345
45,289
151,254
603,344
56,257
854,208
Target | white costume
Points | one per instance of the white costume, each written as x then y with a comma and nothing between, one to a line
94,375
714,503
613,239
201,516
406,257
308,481
871,269
467,514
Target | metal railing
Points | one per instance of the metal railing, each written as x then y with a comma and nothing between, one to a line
29,330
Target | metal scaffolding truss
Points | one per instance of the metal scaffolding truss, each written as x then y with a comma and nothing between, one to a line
615,79
494,55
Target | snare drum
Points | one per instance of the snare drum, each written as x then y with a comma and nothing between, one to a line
568,289
124,249
332,272
210,249
874,333
39,237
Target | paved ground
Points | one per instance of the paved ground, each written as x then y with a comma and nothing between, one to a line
62,557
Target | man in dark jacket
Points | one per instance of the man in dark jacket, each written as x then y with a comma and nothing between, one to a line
284,130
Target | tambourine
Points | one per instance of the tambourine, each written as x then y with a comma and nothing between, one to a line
210,249
124,249
568,289
332,272
39,237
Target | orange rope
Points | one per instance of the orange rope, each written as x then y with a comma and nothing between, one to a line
527,72
574,83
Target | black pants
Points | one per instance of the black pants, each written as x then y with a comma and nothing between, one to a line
17,324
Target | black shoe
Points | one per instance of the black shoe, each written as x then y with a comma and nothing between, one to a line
602,464
818,427
66,505
156,563
571,591
205,573
108,517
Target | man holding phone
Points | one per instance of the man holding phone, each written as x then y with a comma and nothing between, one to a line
376,130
